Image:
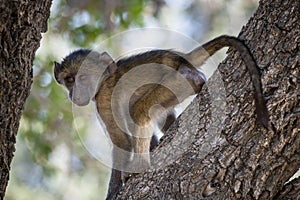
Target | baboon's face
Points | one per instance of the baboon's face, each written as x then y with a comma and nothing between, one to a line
81,73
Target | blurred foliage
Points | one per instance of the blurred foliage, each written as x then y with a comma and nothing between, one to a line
83,21
46,136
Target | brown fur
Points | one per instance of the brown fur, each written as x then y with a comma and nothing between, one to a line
174,79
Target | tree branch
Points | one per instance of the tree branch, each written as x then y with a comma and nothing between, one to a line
215,150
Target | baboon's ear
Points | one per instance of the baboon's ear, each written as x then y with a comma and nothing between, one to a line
107,60
57,70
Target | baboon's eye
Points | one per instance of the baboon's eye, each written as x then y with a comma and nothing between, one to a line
69,79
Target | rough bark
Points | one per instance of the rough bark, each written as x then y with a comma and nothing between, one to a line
21,25
290,191
230,157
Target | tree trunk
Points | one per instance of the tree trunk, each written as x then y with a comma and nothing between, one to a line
223,153
22,23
